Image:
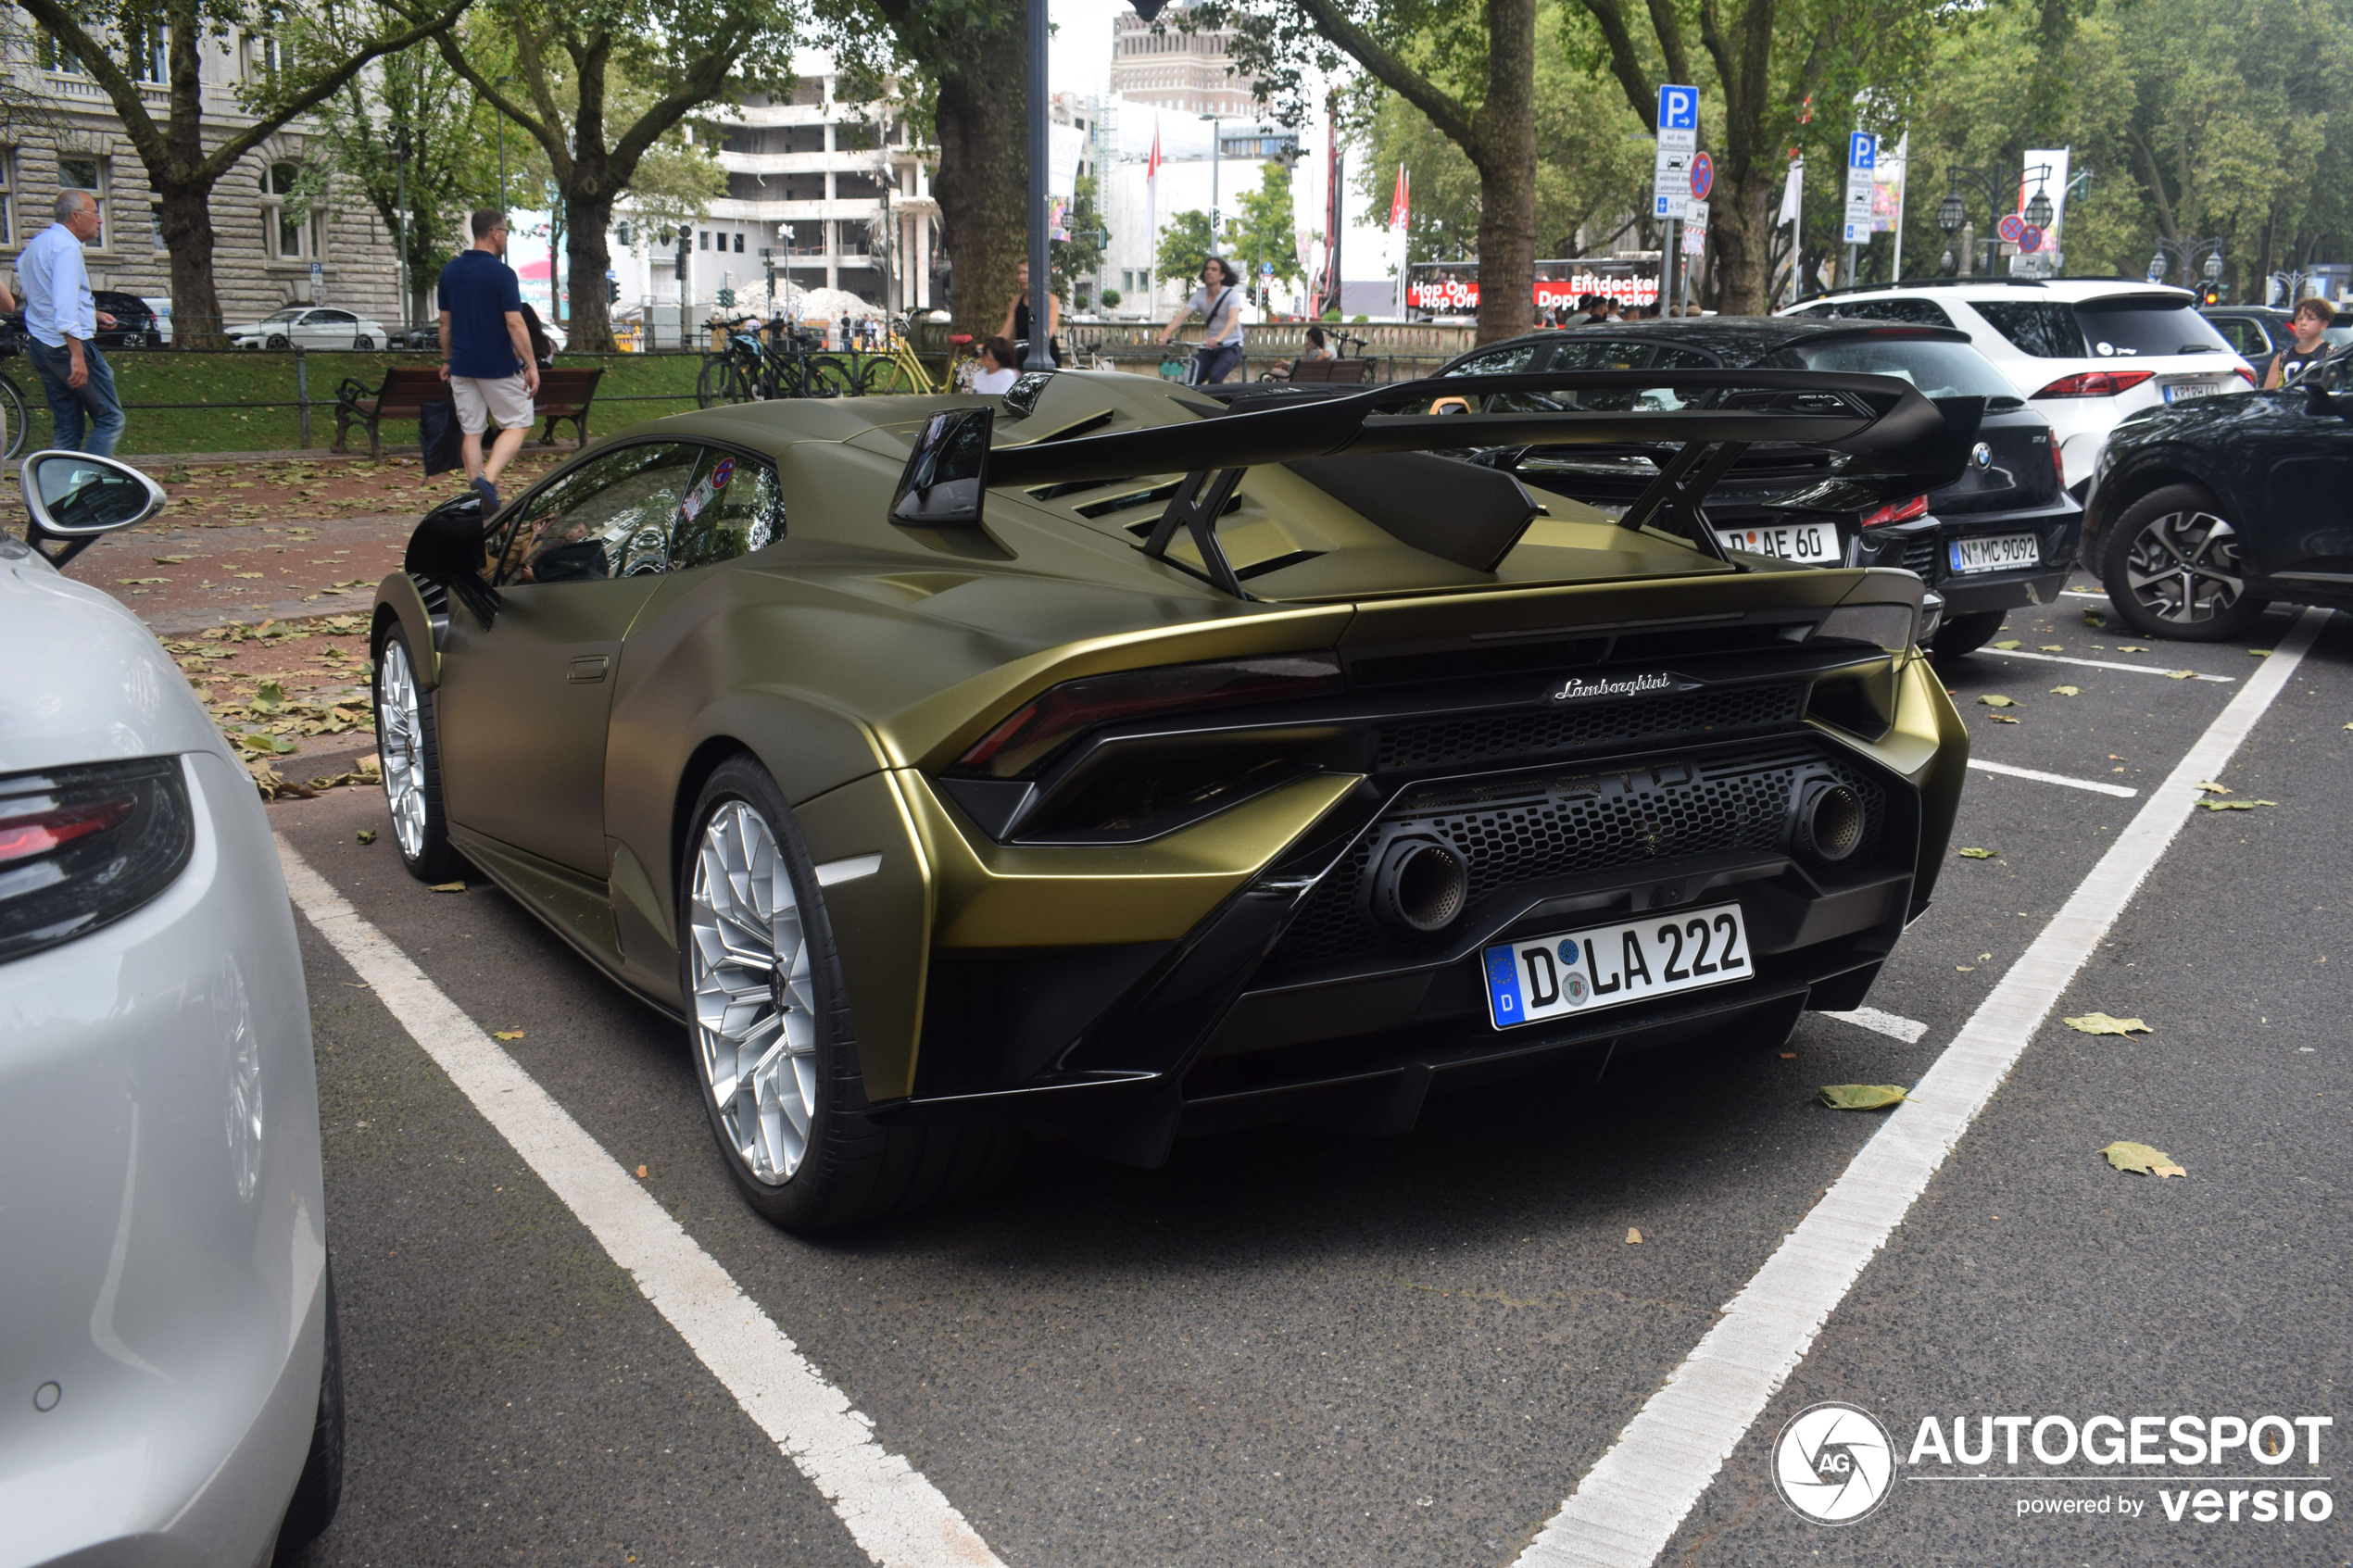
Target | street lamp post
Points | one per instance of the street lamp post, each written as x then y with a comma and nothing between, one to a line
1041,278
502,154
1952,212
400,206
2196,258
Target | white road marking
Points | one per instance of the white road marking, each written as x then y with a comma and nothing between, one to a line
892,1511
1905,1029
2081,594
1630,1505
2101,664
2119,790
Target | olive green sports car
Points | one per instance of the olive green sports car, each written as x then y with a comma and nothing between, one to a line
1112,761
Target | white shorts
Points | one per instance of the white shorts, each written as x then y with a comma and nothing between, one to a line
481,400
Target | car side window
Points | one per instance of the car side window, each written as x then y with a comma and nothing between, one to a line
1510,360
610,517
1911,312
2044,329
2243,335
732,508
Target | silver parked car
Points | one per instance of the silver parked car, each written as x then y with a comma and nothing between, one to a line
170,1384
303,326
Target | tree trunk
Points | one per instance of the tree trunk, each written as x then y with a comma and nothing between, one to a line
588,215
1506,162
983,180
1740,234
187,234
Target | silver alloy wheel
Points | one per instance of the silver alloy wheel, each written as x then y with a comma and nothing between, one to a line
754,1005
2183,566
402,749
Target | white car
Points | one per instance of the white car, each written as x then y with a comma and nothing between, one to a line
168,1344
311,326
2084,352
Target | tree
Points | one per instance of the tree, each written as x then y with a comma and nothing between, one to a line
1077,258
1593,168
960,69
603,81
1184,246
1760,64
1267,229
121,44
1470,68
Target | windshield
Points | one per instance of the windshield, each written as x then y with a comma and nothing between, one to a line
281,316
1938,370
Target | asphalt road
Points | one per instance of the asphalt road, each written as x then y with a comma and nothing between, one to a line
1289,1347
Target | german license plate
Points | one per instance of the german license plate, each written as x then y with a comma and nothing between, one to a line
1816,544
2178,391
1995,554
1611,965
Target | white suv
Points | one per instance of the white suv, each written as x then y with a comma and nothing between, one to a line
2084,352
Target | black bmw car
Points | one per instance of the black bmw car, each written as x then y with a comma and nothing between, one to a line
2202,513
2003,535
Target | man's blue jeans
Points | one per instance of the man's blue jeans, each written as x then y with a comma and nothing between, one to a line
92,405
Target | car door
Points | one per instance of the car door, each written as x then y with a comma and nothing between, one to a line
329,328
2305,451
523,704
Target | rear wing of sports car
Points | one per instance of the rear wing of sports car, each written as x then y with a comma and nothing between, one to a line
1888,436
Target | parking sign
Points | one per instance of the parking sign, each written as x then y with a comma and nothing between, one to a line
1678,139
1679,111
1862,150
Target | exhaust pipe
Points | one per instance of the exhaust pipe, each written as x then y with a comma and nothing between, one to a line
1827,824
1421,884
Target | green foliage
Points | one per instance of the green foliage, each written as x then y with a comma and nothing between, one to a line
1593,168
1264,230
1076,259
1184,246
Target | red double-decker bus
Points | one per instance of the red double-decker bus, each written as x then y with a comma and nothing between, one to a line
1450,288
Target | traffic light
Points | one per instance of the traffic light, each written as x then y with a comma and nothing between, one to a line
2210,294
726,299
612,291
622,232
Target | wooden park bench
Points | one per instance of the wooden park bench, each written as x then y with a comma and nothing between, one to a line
564,394
1347,372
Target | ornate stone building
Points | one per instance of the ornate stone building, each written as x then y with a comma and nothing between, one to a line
265,247
1169,68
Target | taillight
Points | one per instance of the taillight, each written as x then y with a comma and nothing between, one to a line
81,846
2245,374
1057,716
1899,512
2059,463
2096,384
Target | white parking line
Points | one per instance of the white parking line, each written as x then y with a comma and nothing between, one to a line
892,1511
2101,664
1905,1029
1630,1505
2120,791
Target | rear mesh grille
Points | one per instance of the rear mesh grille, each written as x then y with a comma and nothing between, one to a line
1920,556
1612,724
1565,823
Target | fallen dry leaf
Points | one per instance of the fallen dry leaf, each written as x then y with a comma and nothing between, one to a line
141,582
1633,1236
2213,788
2179,674
2008,643
506,1034
2260,653
367,836
641,1171
2067,690
1789,1056
2094,618
2140,1160
2236,805
1977,854
449,888
2001,719
2052,647
1996,700
1861,1096
2101,1023
171,560
2132,648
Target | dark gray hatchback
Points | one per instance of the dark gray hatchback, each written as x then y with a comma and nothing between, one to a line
2000,537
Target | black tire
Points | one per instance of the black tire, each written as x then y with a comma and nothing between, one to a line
278,340
2178,524
832,377
12,439
363,342
318,1491
1967,633
851,1169
406,764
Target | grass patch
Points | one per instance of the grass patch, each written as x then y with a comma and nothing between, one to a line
246,401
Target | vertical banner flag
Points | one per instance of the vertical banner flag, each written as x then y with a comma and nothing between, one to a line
1678,139
1792,192
1401,204
1862,160
1151,165
2046,170
1400,208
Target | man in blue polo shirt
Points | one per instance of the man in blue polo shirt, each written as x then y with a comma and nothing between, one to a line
486,351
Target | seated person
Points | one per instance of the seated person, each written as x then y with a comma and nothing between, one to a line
1316,350
999,366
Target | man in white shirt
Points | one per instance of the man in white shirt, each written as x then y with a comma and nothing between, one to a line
61,316
1219,301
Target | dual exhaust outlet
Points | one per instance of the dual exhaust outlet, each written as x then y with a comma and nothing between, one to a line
1418,882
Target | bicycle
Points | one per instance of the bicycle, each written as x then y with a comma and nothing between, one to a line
898,370
745,369
14,425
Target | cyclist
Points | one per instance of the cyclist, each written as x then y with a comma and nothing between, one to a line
1219,302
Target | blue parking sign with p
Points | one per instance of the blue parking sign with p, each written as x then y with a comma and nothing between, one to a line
1862,150
1679,108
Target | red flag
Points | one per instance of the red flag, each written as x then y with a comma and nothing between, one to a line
1400,203
1152,166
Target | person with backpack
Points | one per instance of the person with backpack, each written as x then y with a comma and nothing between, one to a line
1218,301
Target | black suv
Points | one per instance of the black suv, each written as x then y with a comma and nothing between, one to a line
136,325
2001,536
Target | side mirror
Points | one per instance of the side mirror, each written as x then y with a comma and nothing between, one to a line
73,497
2319,404
947,474
446,548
